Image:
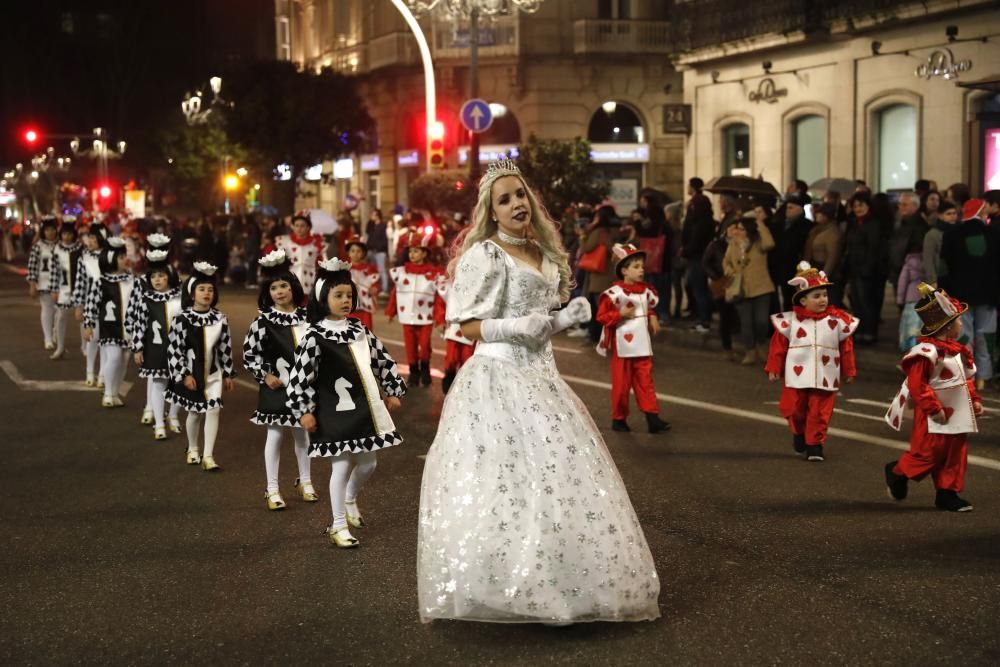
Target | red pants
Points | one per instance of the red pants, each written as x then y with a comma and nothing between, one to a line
418,342
457,354
632,373
364,317
943,457
808,412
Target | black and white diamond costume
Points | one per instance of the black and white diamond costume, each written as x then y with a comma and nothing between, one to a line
104,316
269,348
42,275
200,345
88,271
66,262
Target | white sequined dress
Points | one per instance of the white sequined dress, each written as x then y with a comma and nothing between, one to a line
523,515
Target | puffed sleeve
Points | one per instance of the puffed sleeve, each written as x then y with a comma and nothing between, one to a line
480,283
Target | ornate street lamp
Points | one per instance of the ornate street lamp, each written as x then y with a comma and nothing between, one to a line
196,110
472,10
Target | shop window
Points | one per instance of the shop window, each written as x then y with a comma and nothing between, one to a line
736,150
809,135
896,145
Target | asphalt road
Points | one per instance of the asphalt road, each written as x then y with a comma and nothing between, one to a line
116,552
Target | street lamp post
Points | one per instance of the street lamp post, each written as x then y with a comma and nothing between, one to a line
473,10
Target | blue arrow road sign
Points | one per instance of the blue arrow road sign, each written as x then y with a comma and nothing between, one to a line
476,115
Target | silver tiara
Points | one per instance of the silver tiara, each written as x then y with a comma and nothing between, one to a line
502,166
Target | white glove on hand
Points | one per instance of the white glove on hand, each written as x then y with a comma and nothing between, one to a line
576,311
535,328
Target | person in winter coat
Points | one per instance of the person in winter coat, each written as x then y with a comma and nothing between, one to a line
864,251
745,262
934,268
824,246
697,232
598,234
790,233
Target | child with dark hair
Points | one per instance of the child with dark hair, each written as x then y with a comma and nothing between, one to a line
67,256
148,321
268,353
200,356
88,272
304,250
939,386
42,270
104,316
333,391
812,350
366,280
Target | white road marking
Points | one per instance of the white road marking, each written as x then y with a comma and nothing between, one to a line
885,406
50,385
557,348
856,436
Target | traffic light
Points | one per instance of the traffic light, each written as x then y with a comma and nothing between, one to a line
435,145
231,181
31,136
104,191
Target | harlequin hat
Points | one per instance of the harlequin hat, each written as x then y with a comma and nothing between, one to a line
622,252
356,240
274,263
806,280
328,268
204,272
936,309
158,240
972,209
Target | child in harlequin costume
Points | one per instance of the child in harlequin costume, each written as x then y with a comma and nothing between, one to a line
200,356
148,320
157,242
941,388
414,300
104,317
333,390
458,348
303,249
42,270
88,272
67,259
812,349
268,353
366,280
626,309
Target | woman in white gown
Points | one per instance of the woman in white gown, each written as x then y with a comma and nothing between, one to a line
523,515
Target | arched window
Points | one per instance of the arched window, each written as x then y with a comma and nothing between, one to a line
809,135
896,147
616,123
736,150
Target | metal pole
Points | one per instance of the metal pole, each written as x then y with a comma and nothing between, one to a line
474,169
430,96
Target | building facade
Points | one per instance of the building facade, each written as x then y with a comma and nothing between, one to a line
597,69
880,90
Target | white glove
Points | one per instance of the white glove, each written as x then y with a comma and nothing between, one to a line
534,328
576,311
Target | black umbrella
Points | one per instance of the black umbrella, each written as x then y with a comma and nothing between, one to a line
744,186
844,186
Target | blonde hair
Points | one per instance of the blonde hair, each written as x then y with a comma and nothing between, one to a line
543,229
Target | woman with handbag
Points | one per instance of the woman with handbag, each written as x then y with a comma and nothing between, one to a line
595,249
653,238
750,286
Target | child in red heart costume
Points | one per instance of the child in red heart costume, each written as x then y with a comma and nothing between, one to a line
415,301
812,349
626,311
940,385
366,279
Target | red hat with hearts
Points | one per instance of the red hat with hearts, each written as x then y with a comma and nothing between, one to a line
806,280
622,252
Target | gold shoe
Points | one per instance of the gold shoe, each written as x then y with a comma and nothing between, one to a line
90,382
192,457
107,402
355,520
147,417
208,464
307,491
159,433
174,424
274,500
100,383
341,538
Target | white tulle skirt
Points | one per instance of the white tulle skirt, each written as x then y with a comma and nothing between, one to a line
523,515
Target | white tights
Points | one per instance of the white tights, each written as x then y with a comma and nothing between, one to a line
114,363
91,348
348,474
48,303
193,426
156,392
272,454
63,315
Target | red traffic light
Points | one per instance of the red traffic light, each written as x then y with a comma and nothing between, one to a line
435,144
30,136
435,130
104,191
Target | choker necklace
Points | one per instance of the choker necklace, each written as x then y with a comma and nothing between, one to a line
511,240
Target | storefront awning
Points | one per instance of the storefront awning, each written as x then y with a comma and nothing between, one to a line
990,83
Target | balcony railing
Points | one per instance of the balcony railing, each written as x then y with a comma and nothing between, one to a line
349,60
629,37
397,48
498,37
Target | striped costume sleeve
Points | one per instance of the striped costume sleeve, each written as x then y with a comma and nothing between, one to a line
384,367
300,391
253,351
178,362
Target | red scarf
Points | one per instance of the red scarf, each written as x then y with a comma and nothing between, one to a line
637,288
425,269
949,347
309,239
830,311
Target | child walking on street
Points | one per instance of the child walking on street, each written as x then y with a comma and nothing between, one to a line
627,311
812,350
333,391
939,385
42,273
366,280
104,317
414,301
200,356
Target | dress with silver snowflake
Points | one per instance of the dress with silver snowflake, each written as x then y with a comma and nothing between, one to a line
523,515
